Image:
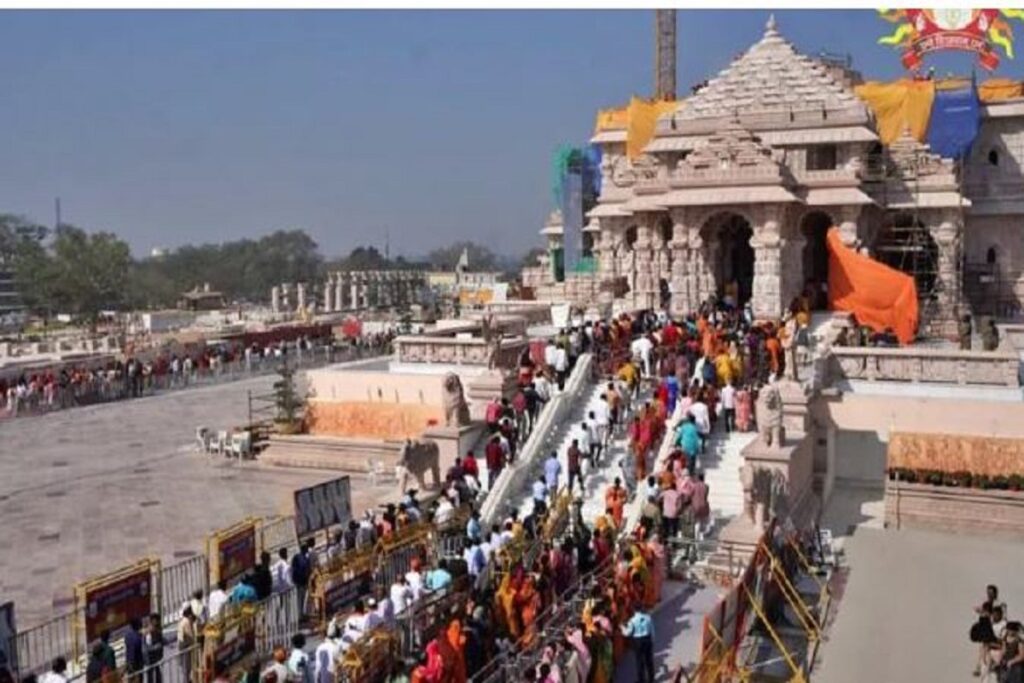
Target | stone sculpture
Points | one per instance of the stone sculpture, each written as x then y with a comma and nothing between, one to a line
747,482
417,458
456,410
769,415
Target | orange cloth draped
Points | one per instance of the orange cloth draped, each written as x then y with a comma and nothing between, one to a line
1000,89
878,295
899,105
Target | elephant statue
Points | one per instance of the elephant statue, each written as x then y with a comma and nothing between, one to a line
417,458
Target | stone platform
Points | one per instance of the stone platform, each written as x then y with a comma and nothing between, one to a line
950,508
330,452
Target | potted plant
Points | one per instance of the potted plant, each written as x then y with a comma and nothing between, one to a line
983,481
1001,482
287,401
1016,481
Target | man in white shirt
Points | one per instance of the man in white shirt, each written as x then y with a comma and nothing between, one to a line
550,352
702,419
729,406
602,416
373,619
585,441
445,510
218,598
543,388
281,572
641,347
56,674
401,595
414,579
325,656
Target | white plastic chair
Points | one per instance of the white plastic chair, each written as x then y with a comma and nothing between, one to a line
241,444
203,439
222,443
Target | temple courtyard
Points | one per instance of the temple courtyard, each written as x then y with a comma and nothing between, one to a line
89,490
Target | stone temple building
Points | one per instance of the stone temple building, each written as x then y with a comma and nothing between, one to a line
740,183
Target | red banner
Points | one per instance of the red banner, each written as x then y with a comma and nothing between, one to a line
111,606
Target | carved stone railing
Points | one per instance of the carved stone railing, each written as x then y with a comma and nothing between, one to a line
925,366
451,350
826,177
514,478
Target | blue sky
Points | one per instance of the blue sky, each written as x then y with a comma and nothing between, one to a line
187,126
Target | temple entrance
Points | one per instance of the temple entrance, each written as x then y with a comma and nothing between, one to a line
814,229
734,270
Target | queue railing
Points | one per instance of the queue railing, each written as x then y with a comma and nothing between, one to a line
552,416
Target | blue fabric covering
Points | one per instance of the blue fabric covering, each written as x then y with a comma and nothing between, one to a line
955,119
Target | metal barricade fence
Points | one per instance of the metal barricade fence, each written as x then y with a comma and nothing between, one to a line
178,582
40,645
278,620
175,667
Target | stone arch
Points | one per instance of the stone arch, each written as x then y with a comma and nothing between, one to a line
814,226
727,236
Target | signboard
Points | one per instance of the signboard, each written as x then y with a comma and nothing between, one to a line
112,601
920,31
8,641
322,506
233,552
340,594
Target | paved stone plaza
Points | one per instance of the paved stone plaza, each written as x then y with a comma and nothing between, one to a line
87,490
908,604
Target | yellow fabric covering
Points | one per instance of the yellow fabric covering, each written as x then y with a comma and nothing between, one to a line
999,89
899,105
639,119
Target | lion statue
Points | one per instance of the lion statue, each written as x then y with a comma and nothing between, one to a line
417,458
769,415
456,410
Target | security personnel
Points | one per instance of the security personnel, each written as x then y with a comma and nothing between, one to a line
640,630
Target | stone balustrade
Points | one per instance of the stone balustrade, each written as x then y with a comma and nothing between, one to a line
443,349
933,366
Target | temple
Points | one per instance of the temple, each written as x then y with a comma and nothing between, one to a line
736,189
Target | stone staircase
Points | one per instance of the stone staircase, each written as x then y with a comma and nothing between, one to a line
721,465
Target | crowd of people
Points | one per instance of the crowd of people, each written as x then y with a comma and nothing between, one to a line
72,384
552,599
999,640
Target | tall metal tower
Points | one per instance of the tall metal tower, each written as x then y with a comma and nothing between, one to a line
665,54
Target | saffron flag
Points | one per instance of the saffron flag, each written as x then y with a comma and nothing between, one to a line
879,296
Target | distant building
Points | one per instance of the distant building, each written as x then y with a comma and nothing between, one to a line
203,299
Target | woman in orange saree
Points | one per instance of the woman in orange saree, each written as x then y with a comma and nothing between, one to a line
528,603
458,643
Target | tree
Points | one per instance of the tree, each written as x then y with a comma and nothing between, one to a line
14,230
446,258
80,273
287,400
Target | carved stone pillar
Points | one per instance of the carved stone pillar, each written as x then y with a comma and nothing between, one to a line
682,302
646,281
328,295
275,299
605,248
949,276
355,291
767,295
339,292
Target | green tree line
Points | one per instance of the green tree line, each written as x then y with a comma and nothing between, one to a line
71,270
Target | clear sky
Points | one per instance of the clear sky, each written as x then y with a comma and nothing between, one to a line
188,126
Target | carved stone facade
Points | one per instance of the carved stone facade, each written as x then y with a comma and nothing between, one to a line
739,184
353,291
